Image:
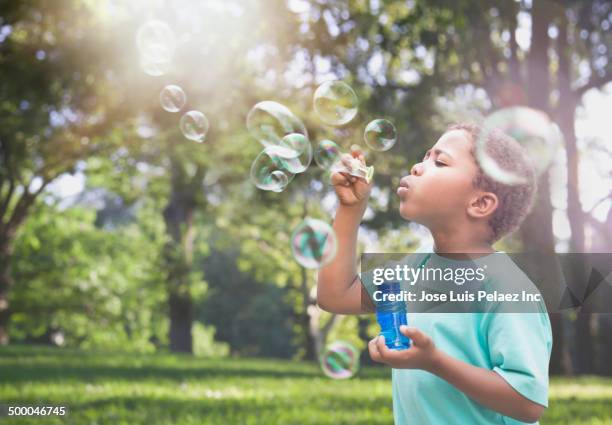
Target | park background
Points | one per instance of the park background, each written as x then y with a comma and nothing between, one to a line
145,279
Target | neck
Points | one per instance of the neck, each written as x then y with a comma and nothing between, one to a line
462,241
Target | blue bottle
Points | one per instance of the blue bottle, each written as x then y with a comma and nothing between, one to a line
391,315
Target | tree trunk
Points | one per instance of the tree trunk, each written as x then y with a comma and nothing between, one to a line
536,231
306,319
8,230
605,319
584,354
181,318
6,282
178,216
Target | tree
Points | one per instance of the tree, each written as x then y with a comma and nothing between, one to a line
59,106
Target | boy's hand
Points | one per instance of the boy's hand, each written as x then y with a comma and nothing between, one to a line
422,354
351,190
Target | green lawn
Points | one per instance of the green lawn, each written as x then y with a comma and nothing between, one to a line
110,388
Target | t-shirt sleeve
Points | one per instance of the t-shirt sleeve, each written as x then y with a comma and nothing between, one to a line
520,345
367,281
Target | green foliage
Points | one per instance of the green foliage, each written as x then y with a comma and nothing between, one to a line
119,388
101,288
252,316
204,344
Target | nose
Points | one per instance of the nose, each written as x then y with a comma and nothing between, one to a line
417,169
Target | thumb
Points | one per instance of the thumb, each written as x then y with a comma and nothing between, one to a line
414,334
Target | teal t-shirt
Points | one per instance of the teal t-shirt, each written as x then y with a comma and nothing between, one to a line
517,346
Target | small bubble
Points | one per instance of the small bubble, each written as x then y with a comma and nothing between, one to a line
340,360
268,166
194,125
380,135
313,243
335,103
172,98
327,154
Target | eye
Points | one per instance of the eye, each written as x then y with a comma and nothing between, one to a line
440,164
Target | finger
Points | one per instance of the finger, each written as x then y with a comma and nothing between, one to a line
361,185
418,337
346,159
389,355
382,347
338,179
373,349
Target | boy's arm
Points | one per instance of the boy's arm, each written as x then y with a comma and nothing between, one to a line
339,288
486,387
482,385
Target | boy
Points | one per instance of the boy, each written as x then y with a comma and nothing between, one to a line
473,368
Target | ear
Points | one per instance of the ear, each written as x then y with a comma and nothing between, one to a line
483,204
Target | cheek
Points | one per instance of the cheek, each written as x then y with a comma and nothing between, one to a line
446,189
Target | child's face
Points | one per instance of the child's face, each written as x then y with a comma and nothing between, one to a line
439,188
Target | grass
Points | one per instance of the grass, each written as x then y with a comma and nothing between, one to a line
117,388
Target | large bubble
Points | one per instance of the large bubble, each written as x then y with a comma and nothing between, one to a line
313,243
299,147
156,41
194,125
532,129
327,153
172,98
339,360
269,122
380,135
156,45
269,167
335,103
154,69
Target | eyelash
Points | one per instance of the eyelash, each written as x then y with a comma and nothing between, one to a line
438,163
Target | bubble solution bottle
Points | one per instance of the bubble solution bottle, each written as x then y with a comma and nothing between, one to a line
391,315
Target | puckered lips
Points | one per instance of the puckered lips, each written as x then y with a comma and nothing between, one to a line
404,186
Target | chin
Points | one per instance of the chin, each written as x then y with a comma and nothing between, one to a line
406,213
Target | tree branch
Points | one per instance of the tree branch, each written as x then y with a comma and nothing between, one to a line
6,201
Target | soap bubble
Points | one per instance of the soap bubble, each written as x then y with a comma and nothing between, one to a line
268,166
340,360
156,44
154,69
194,125
156,41
269,122
327,154
532,129
172,98
380,135
299,147
313,243
335,103
279,179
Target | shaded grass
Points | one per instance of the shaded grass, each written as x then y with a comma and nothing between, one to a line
119,388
